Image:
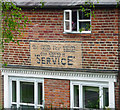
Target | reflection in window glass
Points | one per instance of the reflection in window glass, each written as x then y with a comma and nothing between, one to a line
91,97
14,106
84,15
13,91
84,26
40,93
74,20
26,92
26,107
76,95
67,16
67,25
105,97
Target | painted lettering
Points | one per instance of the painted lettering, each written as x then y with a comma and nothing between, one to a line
38,59
48,60
54,60
63,63
70,60
43,60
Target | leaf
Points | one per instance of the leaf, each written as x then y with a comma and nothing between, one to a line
5,64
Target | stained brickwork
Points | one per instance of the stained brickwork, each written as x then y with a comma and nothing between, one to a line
57,93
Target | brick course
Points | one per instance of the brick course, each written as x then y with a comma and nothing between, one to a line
99,49
57,93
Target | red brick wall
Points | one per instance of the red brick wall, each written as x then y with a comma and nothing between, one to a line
99,49
117,95
57,93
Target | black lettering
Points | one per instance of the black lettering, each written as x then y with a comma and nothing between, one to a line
54,60
38,59
43,60
48,60
70,61
62,61
58,61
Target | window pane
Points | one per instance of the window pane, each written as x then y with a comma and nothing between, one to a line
74,20
13,91
105,97
84,26
84,15
26,107
40,93
91,97
67,25
26,92
67,16
14,107
76,95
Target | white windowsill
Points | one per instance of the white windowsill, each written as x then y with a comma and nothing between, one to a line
78,32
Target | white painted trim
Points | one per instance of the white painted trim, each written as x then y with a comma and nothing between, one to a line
86,20
78,32
18,93
82,78
11,92
71,95
78,20
111,95
81,95
101,96
100,85
35,93
70,20
101,77
6,92
8,97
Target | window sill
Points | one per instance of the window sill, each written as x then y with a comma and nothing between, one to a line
83,32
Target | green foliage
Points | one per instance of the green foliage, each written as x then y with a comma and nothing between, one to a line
14,22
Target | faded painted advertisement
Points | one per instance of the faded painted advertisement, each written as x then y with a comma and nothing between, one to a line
56,54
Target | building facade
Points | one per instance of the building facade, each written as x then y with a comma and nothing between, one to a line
66,59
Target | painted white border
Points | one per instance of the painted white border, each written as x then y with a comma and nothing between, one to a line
60,74
83,77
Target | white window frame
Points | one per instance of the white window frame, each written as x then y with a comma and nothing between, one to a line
100,85
70,21
35,81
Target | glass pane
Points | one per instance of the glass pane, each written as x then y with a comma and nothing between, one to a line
13,91
26,107
76,95
67,25
67,16
40,93
84,15
84,26
91,97
26,92
14,107
105,97
74,20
